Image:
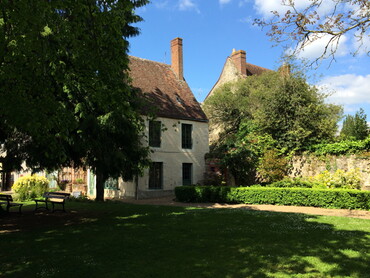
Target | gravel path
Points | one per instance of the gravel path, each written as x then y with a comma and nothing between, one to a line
169,201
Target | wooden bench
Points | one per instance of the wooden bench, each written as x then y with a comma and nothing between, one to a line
8,201
55,198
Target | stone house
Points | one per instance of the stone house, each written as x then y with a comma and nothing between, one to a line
235,68
178,136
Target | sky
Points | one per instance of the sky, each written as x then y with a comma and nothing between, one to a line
210,29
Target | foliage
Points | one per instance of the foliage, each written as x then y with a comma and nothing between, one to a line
272,167
339,148
326,180
355,127
286,107
263,117
65,86
293,112
334,198
241,153
292,182
339,179
320,20
30,187
79,181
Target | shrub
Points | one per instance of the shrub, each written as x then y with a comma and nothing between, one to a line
339,179
334,198
272,167
292,182
30,187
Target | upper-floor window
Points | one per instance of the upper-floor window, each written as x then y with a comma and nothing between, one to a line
186,134
155,134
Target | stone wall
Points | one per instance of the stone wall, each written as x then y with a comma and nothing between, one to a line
307,165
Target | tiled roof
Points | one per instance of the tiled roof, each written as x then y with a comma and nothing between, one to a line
254,70
167,96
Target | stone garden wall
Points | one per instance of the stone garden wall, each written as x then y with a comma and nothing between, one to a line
308,165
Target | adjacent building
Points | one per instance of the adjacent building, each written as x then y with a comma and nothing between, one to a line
177,136
235,68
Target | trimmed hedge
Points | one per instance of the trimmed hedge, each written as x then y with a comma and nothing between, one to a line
326,198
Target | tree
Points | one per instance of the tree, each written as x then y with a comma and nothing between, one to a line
355,127
326,20
286,107
65,85
262,117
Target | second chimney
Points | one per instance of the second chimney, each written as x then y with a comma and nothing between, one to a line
176,58
240,60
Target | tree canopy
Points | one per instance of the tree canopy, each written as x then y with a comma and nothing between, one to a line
355,127
65,86
304,22
273,111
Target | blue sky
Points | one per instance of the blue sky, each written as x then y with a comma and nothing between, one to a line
212,28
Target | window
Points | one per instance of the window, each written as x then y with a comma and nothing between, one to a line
156,175
186,131
187,173
155,134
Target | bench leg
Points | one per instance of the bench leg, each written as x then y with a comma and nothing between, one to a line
53,204
37,206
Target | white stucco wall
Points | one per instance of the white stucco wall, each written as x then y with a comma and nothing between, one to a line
172,156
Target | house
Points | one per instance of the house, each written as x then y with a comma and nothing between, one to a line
235,68
178,136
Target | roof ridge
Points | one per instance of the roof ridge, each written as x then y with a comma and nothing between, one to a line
139,58
257,66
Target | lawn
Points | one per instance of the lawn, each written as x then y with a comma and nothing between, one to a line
121,240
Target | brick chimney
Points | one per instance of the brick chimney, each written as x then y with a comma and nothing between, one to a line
240,60
176,58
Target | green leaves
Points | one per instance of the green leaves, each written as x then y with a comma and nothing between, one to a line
63,70
355,127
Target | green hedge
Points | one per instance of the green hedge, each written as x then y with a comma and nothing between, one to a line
326,198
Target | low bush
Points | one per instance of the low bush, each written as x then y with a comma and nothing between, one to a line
30,187
339,179
333,198
326,180
292,182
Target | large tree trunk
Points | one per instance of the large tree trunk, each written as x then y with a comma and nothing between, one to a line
100,180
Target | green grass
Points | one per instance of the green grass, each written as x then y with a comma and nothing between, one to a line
121,240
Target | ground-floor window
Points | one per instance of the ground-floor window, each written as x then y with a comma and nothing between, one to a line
187,173
156,175
111,183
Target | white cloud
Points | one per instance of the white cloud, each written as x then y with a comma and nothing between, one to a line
315,48
264,7
222,2
187,5
348,89
362,46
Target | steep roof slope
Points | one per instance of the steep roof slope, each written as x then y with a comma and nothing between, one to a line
169,96
251,69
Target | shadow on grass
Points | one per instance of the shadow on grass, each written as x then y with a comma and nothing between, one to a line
120,240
